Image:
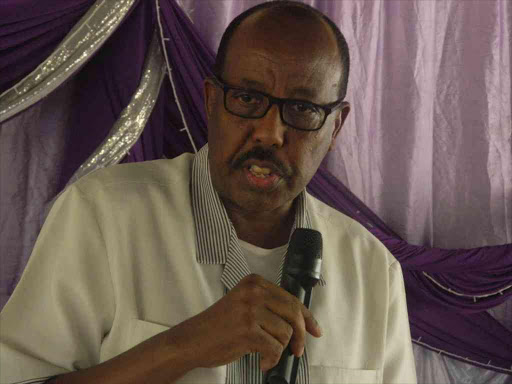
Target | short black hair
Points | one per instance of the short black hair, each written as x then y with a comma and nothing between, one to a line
290,6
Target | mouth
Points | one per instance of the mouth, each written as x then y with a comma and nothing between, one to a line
260,172
262,177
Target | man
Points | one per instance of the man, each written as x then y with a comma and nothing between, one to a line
166,271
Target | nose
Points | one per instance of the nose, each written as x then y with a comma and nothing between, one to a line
269,130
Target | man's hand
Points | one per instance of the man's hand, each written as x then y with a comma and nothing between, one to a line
255,316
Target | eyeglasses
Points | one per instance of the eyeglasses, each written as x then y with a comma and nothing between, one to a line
298,114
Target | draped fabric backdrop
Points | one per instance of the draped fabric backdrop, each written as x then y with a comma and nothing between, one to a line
427,146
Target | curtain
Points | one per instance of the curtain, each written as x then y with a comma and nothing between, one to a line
415,49
30,33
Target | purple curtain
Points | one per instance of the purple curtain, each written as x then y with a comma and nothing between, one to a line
190,61
439,319
29,33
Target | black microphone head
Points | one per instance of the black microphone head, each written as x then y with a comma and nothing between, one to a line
307,242
304,256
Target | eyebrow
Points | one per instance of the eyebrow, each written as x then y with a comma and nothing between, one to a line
307,93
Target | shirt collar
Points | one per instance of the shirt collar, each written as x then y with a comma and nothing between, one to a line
217,242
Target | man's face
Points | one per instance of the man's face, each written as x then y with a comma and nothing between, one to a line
264,55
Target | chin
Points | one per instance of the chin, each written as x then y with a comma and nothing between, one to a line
264,203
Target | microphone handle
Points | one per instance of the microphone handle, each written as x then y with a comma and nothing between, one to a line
285,372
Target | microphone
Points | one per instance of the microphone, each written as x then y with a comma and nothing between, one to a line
301,272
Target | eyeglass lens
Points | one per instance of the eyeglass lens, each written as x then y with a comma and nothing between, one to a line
248,104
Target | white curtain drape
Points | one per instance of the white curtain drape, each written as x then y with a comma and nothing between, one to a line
428,142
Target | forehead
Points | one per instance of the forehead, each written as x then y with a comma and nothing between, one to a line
298,58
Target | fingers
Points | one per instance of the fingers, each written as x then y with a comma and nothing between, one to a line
290,310
276,327
286,308
270,350
312,325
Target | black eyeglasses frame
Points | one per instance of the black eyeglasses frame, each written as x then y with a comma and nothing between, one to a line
327,108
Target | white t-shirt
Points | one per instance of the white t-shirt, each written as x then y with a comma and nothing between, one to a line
264,262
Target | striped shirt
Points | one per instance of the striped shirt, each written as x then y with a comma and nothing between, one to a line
217,243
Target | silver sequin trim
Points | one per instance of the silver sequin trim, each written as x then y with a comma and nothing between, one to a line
86,37
133,118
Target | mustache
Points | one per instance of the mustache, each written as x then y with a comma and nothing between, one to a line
259,153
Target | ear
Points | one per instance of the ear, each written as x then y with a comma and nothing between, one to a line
341,116
209,96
